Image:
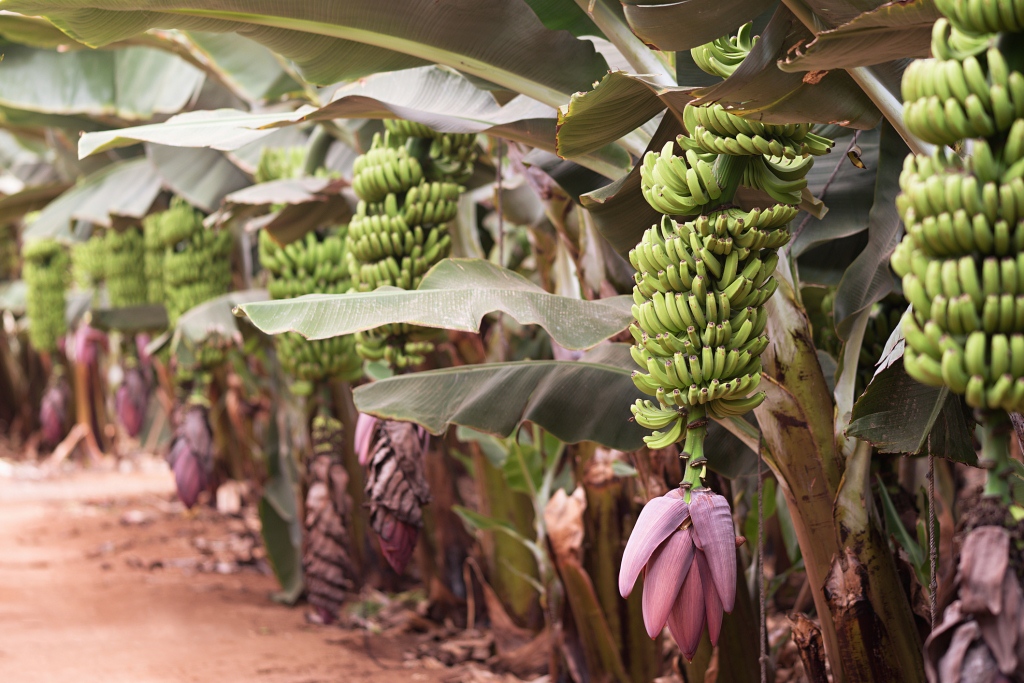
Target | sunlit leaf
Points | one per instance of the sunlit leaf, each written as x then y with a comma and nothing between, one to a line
674,25
499,41
456,294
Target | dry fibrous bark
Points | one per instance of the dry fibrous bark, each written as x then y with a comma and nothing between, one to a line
327,557
396,489
981,637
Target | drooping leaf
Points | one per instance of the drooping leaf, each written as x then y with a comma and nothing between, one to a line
455,294
124,188
620,211
499,41
281,525
580,400
131,84
14,206
899,415
437,97
213,316
248,68
202,176
687,24
898,531
758,89
13,296
846,189
869,279
616,106
896,30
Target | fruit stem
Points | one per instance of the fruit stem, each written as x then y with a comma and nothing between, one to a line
693,451
994,432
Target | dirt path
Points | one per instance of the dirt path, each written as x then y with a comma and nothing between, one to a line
100,582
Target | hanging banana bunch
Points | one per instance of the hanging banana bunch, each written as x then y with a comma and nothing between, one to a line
154,258
197,261
408,184
279,163
88,262
962,258
125,273
701,285
327,557
313,265
46,272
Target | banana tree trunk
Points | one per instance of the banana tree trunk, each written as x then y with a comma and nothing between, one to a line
797,423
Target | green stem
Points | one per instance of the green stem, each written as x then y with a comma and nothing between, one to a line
693,451
995,449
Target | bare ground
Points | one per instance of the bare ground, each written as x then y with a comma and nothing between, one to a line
101,581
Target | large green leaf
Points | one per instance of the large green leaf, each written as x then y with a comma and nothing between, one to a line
869,279
564,15
124,188
214,316
435,96
899,415
131,84
896,30
759,87
455,294
585,400
248,68
14,206
202,176
846,189
617,105
620,211
281,523
687,24
501,41
130,319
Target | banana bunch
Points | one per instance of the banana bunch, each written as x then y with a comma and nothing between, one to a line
408,189
721,56
88,262
449,156
277,163
701,285
125,254
313,265
962,258
946,100
197,261
46,271
154,258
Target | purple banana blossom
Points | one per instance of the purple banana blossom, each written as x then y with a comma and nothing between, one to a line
366,429
688,552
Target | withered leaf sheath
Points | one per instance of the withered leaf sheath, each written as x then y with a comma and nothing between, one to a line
396,489
327,556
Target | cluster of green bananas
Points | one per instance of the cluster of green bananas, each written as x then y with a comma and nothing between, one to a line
46,271
197,261
407,196
723,55
962,258
88,262
154,258
946,100
312,265
701,285
278,163
125,275
449,156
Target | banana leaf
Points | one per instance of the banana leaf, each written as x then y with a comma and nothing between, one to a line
455,294
585,400
501,41
896,30
128,84
249,69
123,188
202,176
672,25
